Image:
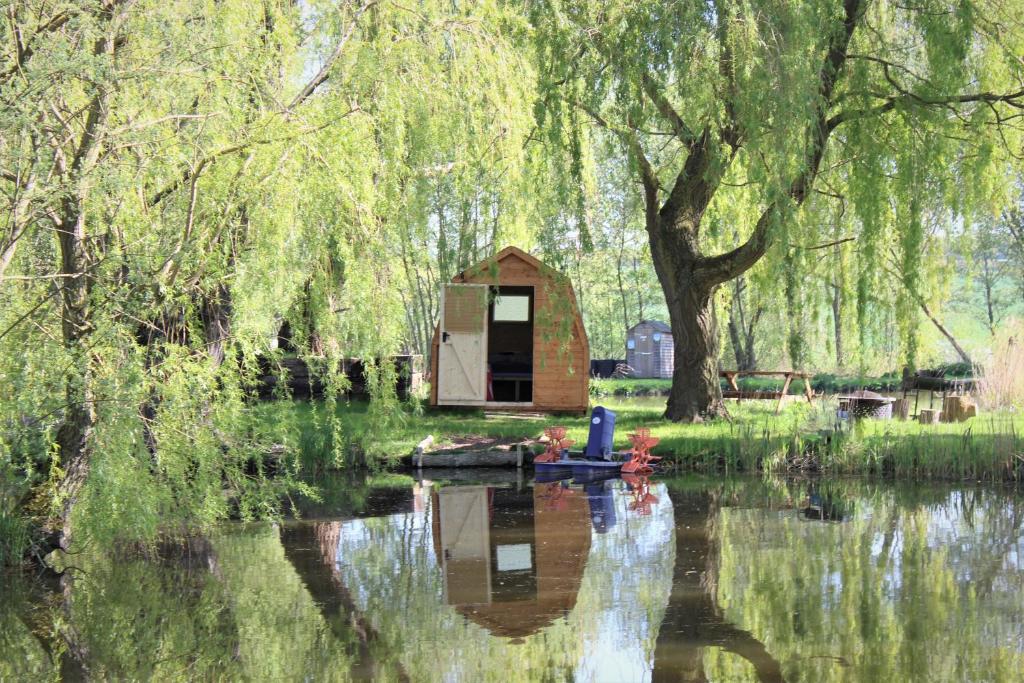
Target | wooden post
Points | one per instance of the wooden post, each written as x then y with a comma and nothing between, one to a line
928,416
421,447
519,456
807,389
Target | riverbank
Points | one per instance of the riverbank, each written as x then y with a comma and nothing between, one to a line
801,438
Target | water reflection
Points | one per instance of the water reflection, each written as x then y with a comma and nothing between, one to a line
514,582
563,579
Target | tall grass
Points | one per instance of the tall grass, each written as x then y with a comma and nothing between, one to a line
1002,374
987,448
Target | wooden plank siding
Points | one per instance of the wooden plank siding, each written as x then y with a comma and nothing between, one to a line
560,377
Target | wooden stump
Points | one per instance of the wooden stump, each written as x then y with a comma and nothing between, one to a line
958,408
928,416
901,408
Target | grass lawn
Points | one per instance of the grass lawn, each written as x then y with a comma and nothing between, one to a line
820,383
801,438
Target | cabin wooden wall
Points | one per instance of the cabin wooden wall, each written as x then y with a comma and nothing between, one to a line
554,387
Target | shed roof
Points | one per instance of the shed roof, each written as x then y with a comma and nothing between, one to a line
506,253
656,325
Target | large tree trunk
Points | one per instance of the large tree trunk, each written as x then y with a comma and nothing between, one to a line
689,285
74,437
696,392
689,278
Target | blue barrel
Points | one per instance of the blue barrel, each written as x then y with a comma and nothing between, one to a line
602,433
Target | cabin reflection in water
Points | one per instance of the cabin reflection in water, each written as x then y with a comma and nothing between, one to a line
612,580
513,563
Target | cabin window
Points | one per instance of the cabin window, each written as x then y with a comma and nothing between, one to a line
512,558
514,308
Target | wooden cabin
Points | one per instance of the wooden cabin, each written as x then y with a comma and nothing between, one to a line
650,350
510,337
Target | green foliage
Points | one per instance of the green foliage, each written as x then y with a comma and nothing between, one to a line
14,537
917,137
222,187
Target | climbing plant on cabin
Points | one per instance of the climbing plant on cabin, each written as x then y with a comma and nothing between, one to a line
779,99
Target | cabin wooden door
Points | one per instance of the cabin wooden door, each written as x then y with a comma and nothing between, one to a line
462,352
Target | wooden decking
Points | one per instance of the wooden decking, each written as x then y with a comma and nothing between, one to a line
789,375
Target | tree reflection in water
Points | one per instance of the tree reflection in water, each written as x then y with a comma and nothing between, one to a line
722,580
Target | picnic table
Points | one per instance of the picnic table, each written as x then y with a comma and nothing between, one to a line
788,376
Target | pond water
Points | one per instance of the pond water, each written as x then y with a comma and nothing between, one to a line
504,579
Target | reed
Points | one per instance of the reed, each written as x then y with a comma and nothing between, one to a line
1002,374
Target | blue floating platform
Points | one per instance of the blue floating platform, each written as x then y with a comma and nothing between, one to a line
573,463
580,463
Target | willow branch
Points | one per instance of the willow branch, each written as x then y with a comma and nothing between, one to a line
724,267
325,70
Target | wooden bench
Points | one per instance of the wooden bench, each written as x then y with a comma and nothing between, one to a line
788,376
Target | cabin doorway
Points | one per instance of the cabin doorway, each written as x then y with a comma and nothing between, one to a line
510,345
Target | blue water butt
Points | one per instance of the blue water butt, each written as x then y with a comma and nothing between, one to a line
602,434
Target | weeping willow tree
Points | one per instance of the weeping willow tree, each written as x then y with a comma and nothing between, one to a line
735,115
180,178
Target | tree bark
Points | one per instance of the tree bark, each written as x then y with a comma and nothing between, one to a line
74,437
216,317
696,392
